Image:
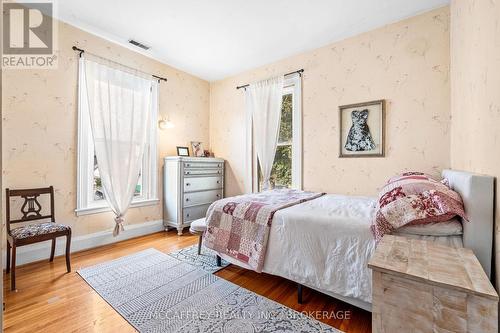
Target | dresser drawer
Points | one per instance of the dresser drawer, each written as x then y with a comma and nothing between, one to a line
209,165
195,212
200,198
202,183
198,172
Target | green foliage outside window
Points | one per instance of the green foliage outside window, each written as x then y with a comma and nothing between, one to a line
286,120
97,185
281,174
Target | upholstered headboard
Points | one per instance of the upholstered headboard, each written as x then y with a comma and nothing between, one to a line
478,195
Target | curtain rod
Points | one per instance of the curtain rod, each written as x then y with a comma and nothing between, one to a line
83,51
300,71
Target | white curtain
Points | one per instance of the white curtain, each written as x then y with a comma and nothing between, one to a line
264,101
119,101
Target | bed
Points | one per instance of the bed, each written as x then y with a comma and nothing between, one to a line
325,243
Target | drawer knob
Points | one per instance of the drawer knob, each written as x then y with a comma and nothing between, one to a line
187,173
187,199
188,164
187,184
218,171
218,182
218,195
187,215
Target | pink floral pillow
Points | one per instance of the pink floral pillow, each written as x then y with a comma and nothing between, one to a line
414,198
409,175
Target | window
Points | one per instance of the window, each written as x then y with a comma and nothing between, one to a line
90,194
287,166
98,191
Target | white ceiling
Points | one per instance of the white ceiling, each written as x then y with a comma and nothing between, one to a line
213,39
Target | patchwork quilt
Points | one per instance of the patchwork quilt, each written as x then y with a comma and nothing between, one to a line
239,226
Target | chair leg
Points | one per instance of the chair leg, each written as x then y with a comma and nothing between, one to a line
13,269
199,244
53,249
68,247
7,269
219,261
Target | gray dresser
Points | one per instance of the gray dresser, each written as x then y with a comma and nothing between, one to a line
190,185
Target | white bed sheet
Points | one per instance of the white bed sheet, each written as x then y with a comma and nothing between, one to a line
325,244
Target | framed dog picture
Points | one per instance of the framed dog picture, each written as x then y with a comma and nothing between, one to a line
197,148
362,128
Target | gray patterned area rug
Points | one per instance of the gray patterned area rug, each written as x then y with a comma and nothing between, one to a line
206,260
156,292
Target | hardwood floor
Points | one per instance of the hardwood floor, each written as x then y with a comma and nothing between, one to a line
50,300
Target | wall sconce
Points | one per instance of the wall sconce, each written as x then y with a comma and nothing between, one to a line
165,124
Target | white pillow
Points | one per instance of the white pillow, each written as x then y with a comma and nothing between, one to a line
452,227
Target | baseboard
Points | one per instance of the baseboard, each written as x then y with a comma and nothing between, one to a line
41,251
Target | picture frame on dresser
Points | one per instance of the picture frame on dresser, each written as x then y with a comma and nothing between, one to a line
182,151
190,186
197,149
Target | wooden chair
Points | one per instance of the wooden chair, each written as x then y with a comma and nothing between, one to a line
33,233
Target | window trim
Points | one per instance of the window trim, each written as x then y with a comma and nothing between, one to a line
105,208
85,204
292,84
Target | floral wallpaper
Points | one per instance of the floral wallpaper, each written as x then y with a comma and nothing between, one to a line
475,93
40,125
406,63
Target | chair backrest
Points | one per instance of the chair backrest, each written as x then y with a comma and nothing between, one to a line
31,208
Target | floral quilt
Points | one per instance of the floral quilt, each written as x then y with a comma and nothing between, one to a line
239,226
414,198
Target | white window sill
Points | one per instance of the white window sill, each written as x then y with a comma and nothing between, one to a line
104,209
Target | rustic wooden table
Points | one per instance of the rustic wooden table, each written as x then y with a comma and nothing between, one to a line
420,286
